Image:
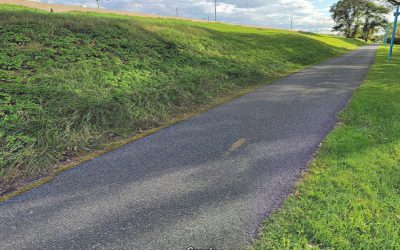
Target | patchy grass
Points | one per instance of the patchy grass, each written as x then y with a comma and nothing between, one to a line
350,198
70,82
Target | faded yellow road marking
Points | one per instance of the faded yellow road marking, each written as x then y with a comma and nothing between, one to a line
235,146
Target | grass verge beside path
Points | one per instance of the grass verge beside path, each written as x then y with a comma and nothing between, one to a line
350,197
71,82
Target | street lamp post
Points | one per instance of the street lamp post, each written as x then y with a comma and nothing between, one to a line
215,9
291,21
396,15
386,34
396,3
291,18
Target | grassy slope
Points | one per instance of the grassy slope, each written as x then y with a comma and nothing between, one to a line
351,196
72,81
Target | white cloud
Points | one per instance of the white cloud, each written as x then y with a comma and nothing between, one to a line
308,15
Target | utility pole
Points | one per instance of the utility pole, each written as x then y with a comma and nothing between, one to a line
98,5
215,9
177,12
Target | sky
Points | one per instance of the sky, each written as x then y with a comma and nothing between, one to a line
308,15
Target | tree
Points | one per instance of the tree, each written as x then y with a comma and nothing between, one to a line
374,19
346,14
353,17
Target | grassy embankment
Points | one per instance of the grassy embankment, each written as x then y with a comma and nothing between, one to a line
350,198
71,82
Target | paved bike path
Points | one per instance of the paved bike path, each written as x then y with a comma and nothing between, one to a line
205,182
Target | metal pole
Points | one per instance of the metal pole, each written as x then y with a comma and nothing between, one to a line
396,15
291,18
177,13
215,9
291,22
386,33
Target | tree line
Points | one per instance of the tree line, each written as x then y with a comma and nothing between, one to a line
359,18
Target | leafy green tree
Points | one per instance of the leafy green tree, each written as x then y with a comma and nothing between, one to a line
346,14
358,17
373,19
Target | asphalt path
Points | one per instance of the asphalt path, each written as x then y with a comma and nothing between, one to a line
205,182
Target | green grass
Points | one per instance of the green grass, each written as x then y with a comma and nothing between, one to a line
350,198
70,82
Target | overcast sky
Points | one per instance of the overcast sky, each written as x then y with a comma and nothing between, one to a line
309,15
